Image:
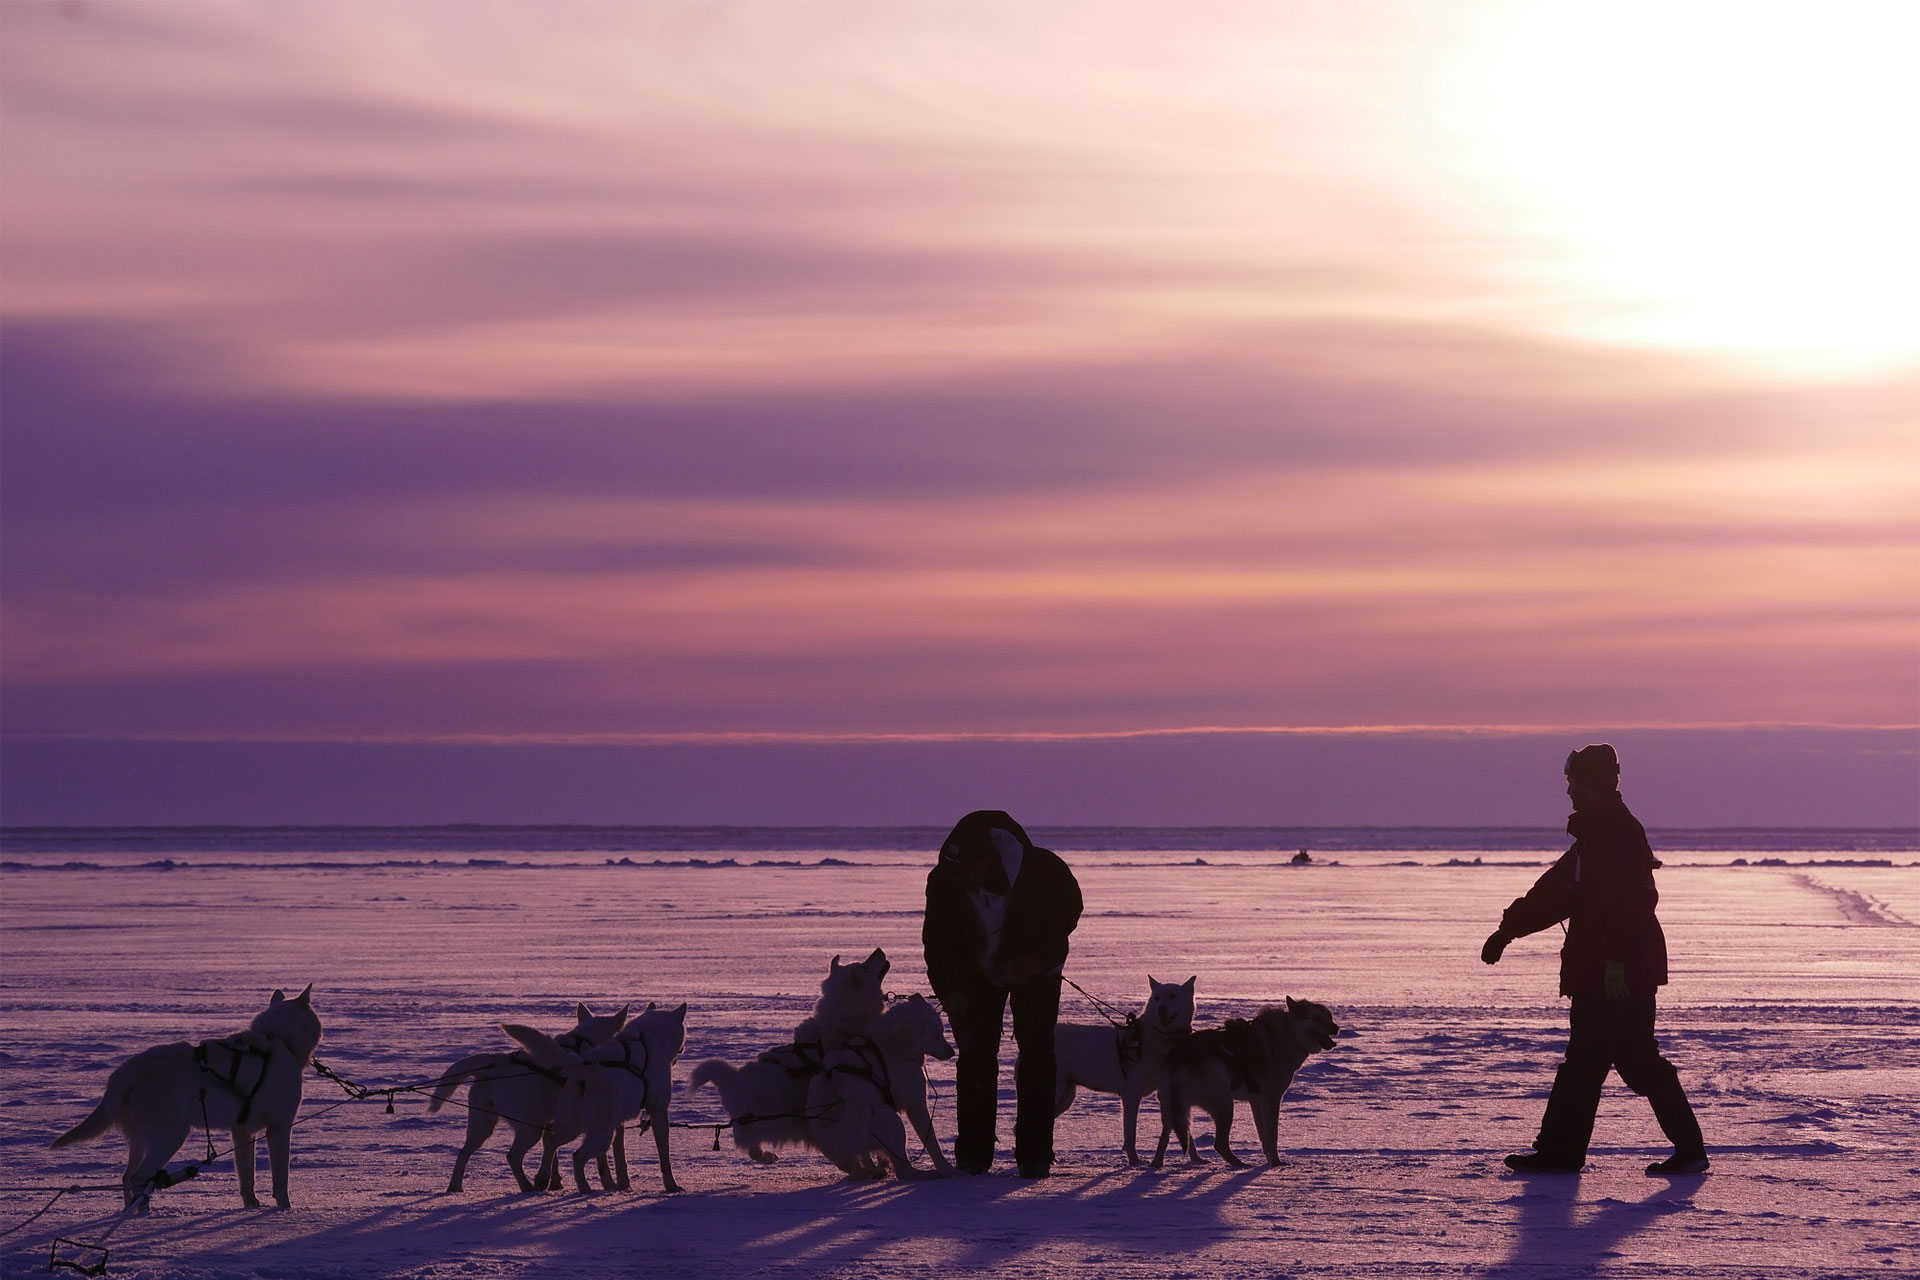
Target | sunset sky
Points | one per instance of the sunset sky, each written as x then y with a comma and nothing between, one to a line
847,411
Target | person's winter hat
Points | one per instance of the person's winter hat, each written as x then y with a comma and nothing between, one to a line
1598,762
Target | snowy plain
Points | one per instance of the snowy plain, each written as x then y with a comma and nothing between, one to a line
1794,1018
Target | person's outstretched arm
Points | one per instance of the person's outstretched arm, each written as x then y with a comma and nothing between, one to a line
1546,904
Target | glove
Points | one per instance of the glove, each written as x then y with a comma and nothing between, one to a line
1495,944
1616,980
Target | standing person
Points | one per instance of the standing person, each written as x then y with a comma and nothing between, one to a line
1614,959
999,909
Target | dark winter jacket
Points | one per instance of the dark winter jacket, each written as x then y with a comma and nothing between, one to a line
1603,888
1042,908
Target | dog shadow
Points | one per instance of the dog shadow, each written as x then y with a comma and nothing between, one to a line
988,1223
411,1226
975,1224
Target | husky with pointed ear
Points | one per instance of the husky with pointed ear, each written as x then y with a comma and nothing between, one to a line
851,996
514,1088
856,1101
604,1088
1130,1061
774,1085
1251,1058
248,1083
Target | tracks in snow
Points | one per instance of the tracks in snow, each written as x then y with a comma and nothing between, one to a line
1858,908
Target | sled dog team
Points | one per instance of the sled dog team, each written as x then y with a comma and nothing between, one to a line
852,1072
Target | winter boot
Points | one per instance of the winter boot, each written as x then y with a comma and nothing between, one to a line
1545,1162
1681,1164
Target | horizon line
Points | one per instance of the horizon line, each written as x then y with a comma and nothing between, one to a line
874,826
775,737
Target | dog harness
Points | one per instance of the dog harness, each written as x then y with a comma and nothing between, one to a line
626,1063
572,1042
238,1049
802,1060
871,1067
1233,1036
522,1058
1129,1043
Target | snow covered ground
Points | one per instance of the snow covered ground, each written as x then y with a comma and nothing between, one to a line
1794,1018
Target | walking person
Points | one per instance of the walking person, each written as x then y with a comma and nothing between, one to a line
999,911
1614,959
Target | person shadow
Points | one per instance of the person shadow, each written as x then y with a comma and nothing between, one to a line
1550,1238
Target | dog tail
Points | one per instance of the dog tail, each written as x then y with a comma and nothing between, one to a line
103,1117
714,1071
456,1075
539,1046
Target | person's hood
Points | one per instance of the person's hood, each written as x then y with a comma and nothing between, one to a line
971,836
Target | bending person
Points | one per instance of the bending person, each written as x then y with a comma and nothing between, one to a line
999,910
1614,959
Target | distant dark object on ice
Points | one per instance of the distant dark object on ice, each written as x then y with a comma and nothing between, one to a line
1302,858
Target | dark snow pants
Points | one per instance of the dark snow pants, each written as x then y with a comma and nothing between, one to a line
1613,1035
977,1014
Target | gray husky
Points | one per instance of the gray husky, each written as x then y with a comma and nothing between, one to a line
512,1087
1130,1061
775,1084
248,1082
607,1086
1250,1058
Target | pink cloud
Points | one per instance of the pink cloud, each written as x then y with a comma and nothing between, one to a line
587,371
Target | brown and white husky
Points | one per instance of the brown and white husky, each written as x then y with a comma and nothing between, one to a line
1247,1058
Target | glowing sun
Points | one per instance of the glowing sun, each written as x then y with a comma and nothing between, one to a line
1731,177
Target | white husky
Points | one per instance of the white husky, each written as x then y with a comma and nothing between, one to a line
775,1084
608,1086
248,1082
850,998
514,1088
857,1099
1130,1061
1251,1058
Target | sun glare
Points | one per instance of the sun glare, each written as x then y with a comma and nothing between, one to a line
1733,177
